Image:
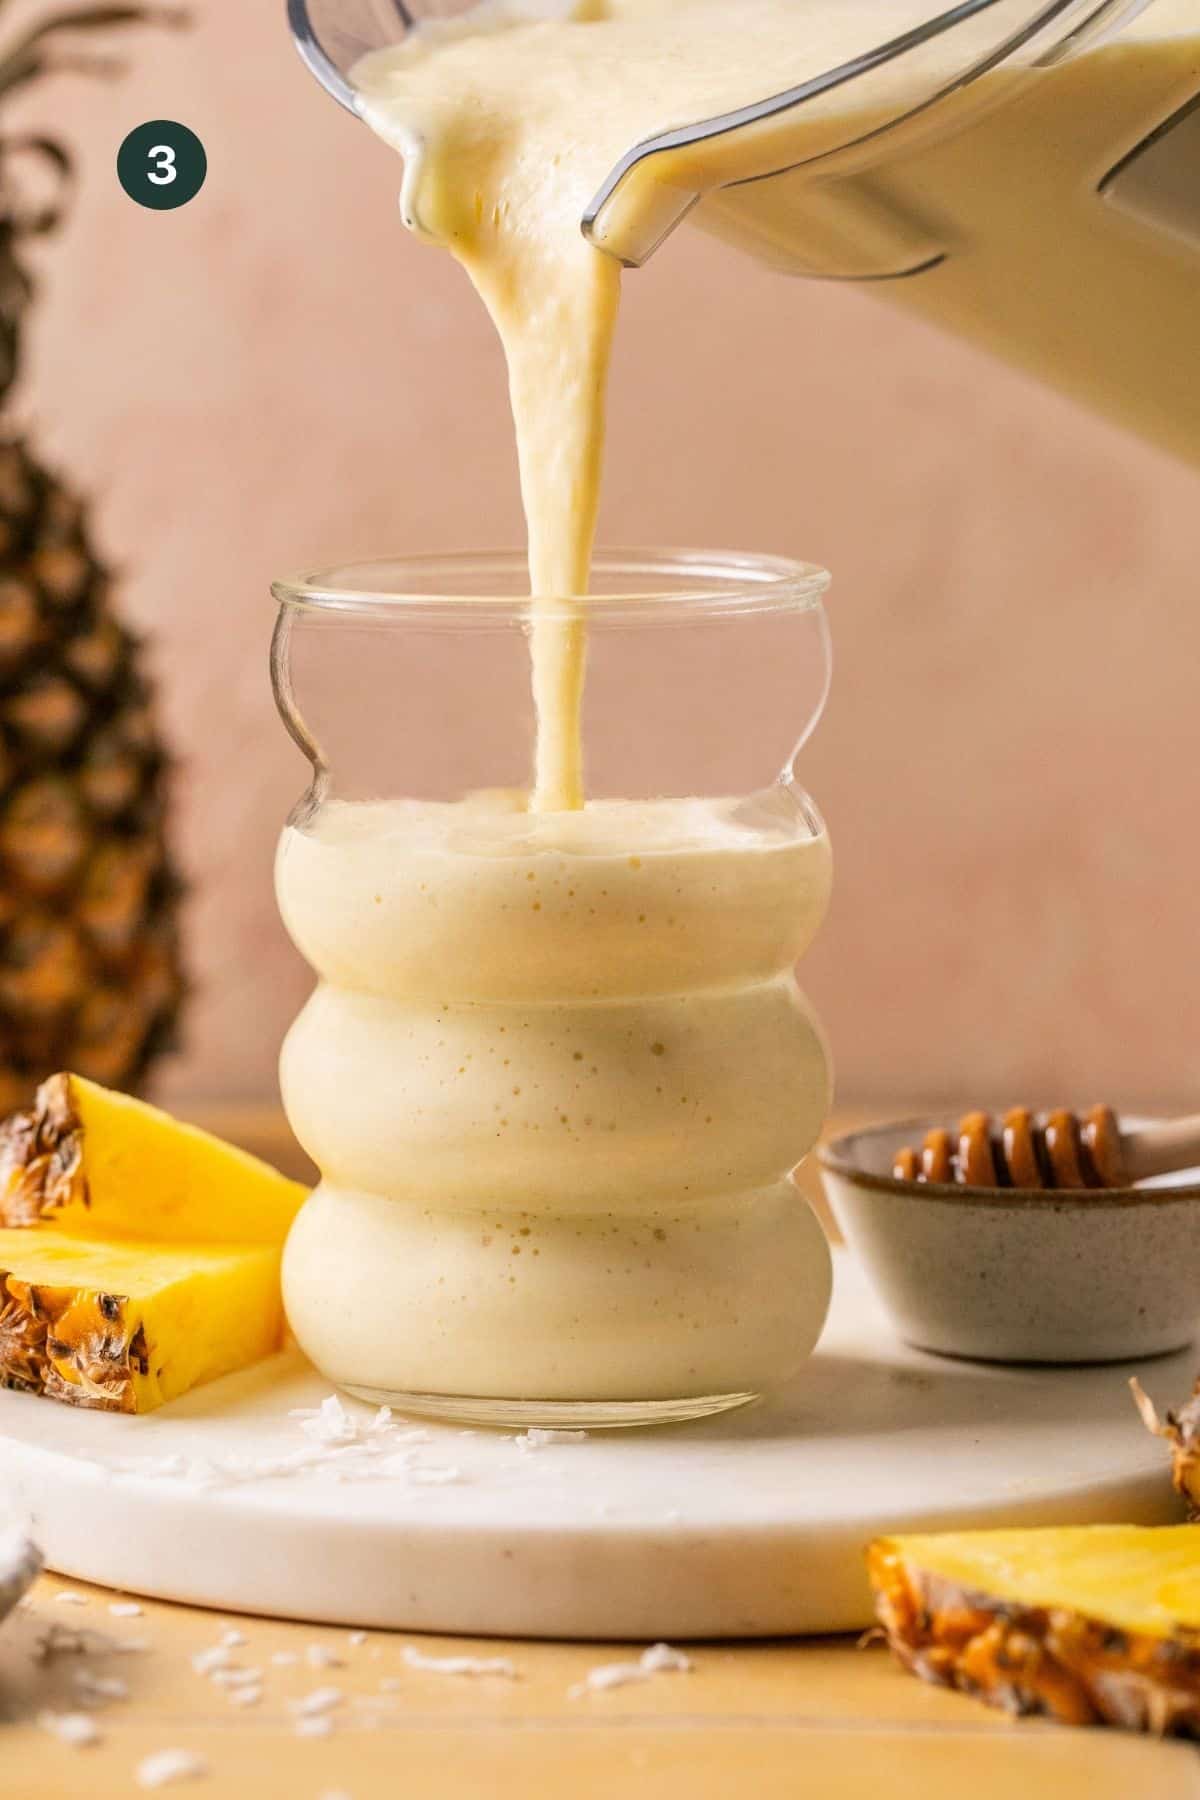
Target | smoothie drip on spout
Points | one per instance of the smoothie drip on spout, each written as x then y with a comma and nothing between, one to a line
494,175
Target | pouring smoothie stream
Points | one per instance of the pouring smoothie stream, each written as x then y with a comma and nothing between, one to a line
558,1068
512,115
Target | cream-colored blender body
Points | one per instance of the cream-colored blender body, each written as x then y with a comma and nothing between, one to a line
1024,172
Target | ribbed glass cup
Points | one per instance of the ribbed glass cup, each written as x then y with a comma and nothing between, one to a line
556,1070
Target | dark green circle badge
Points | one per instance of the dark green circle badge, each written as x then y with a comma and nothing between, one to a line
162,165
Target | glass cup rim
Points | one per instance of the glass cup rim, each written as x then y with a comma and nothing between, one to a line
679,585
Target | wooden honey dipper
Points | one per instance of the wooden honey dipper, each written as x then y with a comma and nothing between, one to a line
1057,1149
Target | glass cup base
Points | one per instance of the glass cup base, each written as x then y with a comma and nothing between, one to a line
551,1415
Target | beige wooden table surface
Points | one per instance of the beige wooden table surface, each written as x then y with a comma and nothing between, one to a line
817,1718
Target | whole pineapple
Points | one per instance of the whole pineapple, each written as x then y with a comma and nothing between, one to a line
90,975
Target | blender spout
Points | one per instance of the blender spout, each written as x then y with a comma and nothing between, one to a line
824,212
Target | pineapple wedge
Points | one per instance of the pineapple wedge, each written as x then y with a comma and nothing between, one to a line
109,1166
124,1326
1092,1624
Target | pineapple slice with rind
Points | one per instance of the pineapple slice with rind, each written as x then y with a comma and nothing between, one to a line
124,1326
104,1164
1089,1625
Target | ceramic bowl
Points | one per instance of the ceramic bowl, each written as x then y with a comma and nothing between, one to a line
1016,1275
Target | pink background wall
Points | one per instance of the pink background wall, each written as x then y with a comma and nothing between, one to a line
277,374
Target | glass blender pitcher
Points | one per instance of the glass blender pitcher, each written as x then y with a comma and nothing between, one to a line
1025,173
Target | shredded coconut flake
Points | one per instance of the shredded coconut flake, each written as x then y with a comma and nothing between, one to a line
321,1700
166,1767
659,1659
65,1640
207,1662
540,1437
245,1696
161,1466
233,1639
100,1687
69,1597
343,1446
318,1656
284,1659
332,1423
76,1729
399,1462
458,1665
125,1609
356,1638
339,1450
236,1678
318,1727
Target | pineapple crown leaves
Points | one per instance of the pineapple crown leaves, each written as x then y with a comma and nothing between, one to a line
47,47
40,50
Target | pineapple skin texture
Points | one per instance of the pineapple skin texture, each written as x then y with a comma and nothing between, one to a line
105,1164
139,1257
189,1314
91,973
1021,1620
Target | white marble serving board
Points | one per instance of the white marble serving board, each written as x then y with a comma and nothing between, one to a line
749,1525
19,1566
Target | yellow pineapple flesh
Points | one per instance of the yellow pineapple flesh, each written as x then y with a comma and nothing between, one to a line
123,1327
106,1165
139,1256
1095,1624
